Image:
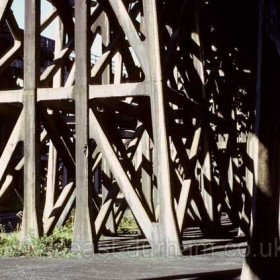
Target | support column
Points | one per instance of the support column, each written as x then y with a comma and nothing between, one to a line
83,236
51,181
32,222
110,223
263,257
52,160
166,237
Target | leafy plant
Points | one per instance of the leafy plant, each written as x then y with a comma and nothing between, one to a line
57,244
128,225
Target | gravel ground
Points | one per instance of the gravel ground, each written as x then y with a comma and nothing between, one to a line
125,265
129,257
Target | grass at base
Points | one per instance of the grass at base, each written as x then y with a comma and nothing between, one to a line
58,244
55,245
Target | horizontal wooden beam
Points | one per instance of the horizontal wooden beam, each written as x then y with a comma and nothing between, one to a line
67,93
121,90
48,94
11,96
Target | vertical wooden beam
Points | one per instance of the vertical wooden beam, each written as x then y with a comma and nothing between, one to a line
32,223
52,158
262,258
165,234
84,236
147,186
51,181
105,33
248,272
118,69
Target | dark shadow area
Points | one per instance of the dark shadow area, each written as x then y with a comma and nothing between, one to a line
213,247
123,243
194,243
9,222
217,275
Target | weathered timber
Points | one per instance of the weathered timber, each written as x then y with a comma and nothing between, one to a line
166,237
149,108
84,230
32,221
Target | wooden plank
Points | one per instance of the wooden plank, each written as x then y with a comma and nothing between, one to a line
51,181
52,94
262,258
95,91
118,69
167,232
11,96
121,90
106,210
83,236
32,222
52,156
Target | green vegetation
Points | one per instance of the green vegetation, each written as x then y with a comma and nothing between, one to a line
128,224
55,245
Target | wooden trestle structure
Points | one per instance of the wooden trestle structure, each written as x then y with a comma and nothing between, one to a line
174,120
